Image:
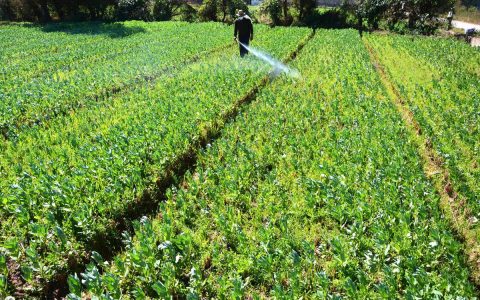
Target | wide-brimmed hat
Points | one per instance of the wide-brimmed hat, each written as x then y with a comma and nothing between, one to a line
240,13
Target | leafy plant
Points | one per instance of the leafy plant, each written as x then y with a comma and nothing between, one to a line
316,190
99,161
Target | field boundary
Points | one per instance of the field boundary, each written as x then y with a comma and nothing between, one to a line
452,204
9,130
108,242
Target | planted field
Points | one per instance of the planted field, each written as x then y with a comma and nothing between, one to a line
203,175
95,68
443,92
314,191
81,172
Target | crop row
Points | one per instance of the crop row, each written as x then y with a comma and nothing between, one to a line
443,53
315,191
35,99
65,183
20,40
445,99
91,50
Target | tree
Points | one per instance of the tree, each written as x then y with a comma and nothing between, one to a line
228,8
134,10
424,10
234,5
304,8
208,10
273,9
417,12
46,10
164,9
40,9
371,10
286,16
6,12
96,8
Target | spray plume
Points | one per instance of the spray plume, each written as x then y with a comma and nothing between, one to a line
278,66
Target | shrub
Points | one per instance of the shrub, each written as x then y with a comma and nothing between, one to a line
187,13
273,9
208,11
303,9
134,10
162,10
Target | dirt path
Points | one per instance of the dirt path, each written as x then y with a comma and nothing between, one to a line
465,25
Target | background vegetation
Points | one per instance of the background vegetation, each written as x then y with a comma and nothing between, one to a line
419,16
468,11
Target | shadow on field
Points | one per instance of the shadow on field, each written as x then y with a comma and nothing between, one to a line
112,30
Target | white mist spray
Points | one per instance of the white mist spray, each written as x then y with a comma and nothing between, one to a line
278,66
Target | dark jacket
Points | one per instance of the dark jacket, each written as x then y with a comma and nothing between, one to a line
244,28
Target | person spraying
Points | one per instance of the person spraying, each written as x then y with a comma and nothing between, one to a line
243,31
449,19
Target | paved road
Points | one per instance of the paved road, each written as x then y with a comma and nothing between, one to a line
465,25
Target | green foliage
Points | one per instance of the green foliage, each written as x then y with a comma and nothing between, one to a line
234,5
330,18
419,8
46,10
443,94
273,9
315,191
221,10
84,75
164,10
188,13
420,15
75,286
134,10
208,10
416,11
304,9
103,156
3,275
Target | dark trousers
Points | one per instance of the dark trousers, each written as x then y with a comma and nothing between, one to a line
243,50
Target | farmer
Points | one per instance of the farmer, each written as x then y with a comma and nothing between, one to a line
450,19
243,33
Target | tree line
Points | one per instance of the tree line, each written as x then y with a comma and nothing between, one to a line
422,15
83,10
392,14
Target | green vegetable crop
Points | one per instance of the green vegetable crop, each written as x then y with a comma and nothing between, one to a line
254,184
67,181
315,191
